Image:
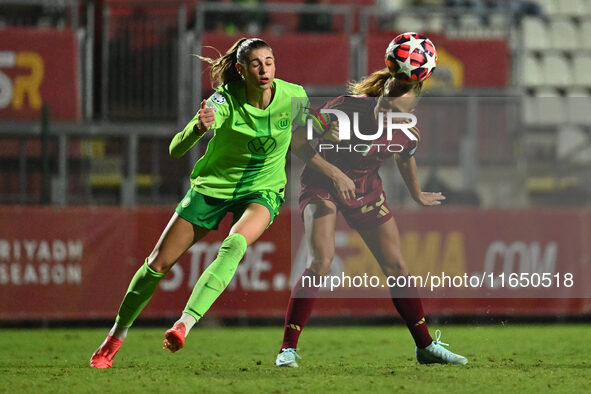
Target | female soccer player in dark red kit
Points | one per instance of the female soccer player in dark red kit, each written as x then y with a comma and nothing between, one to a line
348,182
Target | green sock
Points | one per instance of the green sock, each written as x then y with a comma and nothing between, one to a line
138,294
216,277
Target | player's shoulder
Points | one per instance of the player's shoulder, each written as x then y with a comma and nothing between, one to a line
221,97
289,88
226,90
352,102
335,102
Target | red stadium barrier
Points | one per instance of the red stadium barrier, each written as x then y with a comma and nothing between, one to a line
76,263
468,63
313,59
39,66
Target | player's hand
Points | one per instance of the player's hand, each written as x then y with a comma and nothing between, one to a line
344,185
427,199
332,134
206,117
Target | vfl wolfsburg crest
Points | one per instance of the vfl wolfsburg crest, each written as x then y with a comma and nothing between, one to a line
283,122
262,145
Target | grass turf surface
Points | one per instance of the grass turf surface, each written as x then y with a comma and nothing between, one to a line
525,358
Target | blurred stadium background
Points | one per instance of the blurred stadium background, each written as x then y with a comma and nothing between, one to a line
91,93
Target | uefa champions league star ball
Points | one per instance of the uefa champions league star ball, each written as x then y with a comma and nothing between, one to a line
411,57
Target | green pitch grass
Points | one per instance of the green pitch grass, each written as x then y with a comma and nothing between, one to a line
519,358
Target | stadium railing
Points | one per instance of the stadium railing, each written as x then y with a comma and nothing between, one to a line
81,173
46,13
143,67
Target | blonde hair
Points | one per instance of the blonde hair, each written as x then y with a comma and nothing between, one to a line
372,85
382,83
223,69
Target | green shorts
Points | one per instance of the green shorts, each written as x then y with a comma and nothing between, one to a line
208,212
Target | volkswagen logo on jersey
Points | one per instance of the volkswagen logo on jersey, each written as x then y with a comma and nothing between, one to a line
262,145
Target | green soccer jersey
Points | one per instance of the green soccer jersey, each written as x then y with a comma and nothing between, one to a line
248,150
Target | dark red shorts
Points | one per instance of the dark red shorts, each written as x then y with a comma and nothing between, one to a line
371,213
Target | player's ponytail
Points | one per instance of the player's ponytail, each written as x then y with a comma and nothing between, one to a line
372,85
382,83
223,69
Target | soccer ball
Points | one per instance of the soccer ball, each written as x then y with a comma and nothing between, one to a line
411,57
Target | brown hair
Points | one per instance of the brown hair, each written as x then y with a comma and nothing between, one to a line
382,83
223,69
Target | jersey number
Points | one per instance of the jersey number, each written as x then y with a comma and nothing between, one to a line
370,207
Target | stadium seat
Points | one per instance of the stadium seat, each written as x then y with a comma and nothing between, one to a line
563,34
583,8
410,23
546,93
578,92
573,144
535,35
550,107
529,110
578,102
550,7
470,21
471,25
498,21
532,72
572,8
585,32
582,70
435,23
557,71
544,107
389,5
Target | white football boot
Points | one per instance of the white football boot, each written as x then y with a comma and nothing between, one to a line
287,358
436,353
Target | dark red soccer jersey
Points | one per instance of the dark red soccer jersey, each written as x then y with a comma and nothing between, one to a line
359,159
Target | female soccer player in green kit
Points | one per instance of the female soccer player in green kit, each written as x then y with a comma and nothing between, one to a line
242,172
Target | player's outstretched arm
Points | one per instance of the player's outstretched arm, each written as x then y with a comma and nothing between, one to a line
185,139
408,170
344,186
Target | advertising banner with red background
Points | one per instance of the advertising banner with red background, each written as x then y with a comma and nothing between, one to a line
39,66
304,59
76,263
462,63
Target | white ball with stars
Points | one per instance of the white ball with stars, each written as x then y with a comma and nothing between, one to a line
411,57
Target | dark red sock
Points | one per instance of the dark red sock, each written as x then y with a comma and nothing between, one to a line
410,309
299,310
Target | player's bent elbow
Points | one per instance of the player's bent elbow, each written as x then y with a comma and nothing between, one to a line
175,151
401,160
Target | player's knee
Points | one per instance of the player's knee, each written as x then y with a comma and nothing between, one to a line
159,264
395,266
321,265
